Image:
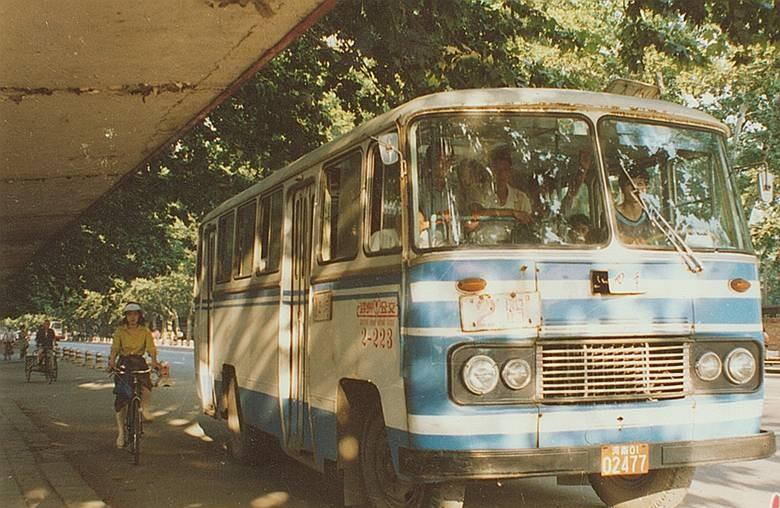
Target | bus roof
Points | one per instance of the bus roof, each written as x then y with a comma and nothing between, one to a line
521,99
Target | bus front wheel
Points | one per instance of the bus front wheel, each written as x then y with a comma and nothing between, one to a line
660,488
384,489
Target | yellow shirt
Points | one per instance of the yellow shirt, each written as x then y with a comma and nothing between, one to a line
133,341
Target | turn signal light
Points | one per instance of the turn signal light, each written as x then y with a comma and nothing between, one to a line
739,285
472,285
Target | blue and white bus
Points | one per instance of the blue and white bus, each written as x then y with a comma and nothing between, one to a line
491,284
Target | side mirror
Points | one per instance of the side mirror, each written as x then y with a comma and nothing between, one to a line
764,178
388,148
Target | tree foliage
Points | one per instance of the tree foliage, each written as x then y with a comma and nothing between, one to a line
367,56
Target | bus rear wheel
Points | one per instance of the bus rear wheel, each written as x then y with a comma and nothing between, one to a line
384,489
660,488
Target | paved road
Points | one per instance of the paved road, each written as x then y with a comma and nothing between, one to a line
185,468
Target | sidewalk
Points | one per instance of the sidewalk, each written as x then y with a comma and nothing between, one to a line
33,474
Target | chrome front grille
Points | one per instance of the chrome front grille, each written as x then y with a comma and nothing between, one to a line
588,371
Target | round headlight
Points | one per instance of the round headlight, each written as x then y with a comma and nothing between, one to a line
708,366
740,366
480,374
516,373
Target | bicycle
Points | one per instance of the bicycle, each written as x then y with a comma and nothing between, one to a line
46,365
134,425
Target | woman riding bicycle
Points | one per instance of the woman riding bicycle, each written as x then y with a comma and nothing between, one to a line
132,339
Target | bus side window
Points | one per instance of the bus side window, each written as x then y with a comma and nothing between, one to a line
341,209
245,239
384,206
225,228
270,232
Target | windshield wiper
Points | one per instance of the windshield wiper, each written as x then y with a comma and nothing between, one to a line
674,238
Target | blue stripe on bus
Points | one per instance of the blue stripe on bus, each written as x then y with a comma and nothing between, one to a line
652,433
250,293
597,311
258,409
727,310
509,269
425,373
475,442
492,269
249,303
365,281
262,411
713,270
446,314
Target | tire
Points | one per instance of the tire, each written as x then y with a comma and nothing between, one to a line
240,443
660,488
47,370
54,368
383,488
28,371
137,429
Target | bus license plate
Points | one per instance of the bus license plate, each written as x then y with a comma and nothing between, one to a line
625,459
499,311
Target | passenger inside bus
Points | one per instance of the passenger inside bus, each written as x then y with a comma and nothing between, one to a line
579,231
502,201
576,198
440,203
386,239
634,225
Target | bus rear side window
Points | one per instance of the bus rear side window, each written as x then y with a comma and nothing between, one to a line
225,247
385,206
245,239
341,209
270,232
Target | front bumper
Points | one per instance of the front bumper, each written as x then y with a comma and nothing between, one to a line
439,465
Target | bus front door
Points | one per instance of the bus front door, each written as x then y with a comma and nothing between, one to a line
206,333
302,217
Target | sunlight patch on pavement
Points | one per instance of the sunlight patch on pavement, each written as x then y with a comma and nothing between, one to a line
178,422
90,504
37,494
61,424
97,385
270,500
195,430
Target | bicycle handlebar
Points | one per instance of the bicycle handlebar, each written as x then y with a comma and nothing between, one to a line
132,372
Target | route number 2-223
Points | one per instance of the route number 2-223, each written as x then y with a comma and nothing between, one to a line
377,337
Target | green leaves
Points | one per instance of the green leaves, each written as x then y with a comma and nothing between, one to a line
367,56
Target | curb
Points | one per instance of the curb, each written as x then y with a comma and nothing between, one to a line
37,474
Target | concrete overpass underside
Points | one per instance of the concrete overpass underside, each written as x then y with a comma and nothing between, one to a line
92,89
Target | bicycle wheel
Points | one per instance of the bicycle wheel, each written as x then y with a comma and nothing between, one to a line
28,370
54,368
135,436
47,370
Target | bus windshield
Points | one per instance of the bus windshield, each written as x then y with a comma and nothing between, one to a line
674,176
488,179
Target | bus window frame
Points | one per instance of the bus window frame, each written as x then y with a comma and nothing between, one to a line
371,159
259,269
592,119
237,274
737,219
217,258
319,221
